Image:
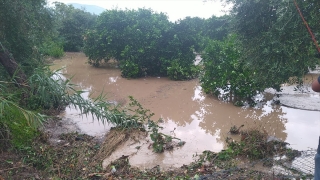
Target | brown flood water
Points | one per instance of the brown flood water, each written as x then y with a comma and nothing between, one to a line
200,120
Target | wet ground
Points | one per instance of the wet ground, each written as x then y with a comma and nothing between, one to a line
200,120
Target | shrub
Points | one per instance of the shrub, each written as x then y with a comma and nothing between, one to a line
17,125
179,72
130,69
147,39
53,49
225,74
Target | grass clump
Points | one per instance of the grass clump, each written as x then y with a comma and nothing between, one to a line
52,49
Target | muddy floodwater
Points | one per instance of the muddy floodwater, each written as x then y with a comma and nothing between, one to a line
202,121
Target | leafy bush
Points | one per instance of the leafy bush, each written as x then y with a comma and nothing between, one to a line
143,41
53,49
178,72
225,74
130,69
71,24
270,46
217,28
56,52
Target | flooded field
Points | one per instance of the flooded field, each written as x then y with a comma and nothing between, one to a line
200,120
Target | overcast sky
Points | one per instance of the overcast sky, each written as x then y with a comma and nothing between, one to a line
175,9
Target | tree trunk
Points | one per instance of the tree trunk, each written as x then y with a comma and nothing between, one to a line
12,67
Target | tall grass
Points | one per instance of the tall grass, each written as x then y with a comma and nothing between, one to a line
17,124
52,48
48,90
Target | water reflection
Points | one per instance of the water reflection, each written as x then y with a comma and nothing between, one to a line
303,128
87,124
113,79
198,95
200,120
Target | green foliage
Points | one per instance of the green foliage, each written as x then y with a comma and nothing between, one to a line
18,123
190,34
128,35
48,90
143,41
178,72
217,28
161,141
130,69
275,41
254,145
24,26
225,74
136,108
21,133
71,25
53,49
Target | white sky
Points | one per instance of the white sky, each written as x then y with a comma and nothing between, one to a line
175,9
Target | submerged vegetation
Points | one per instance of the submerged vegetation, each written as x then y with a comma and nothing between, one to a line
261,44
145,43
225,74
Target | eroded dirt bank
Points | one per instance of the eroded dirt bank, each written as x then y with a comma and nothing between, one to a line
202,121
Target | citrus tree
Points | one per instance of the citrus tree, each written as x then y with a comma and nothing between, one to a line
131,37
183,41
144,43
225,74
275,41
217,28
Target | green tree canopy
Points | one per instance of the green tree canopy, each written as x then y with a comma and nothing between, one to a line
71,25
275,41
24,25
144,42
225,74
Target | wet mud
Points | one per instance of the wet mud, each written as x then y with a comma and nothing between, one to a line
200,120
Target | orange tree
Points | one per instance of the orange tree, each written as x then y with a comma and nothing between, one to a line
225,74
275,42
144,42
271,47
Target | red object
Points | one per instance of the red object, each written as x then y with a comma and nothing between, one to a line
309,30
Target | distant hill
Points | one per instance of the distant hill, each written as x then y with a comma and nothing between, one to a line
89,8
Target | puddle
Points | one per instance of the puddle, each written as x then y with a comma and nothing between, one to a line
303,97
202,121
